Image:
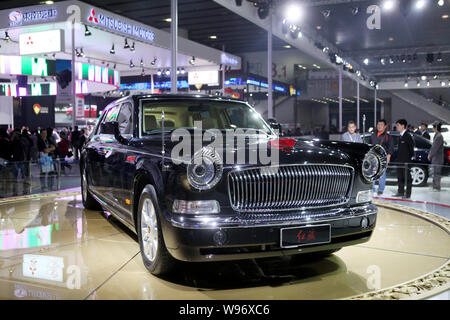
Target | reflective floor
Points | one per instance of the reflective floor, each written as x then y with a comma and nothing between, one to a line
52,248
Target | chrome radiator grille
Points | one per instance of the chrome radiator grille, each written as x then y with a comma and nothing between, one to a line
289,187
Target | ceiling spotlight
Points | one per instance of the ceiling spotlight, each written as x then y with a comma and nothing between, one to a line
263,11
428,83
439,57
182,71
420,4
131,64
418,83
355,11
77,53
383,61
142,63
192,61
326,13
441,3
424,78
366,61
143,72
435,76
443,83
391,60
358,73
178,71
404,59
126,46
7,38
293,13
132,47
372,83
86,31
167,72
112,51
159,72
294,31
406,84
153,61
326,50
388,4
115,66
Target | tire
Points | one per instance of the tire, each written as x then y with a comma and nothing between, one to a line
88,201
154,253
419,176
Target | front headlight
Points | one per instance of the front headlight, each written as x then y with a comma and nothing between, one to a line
374,163
205,170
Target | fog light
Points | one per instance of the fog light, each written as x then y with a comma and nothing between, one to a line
220,237
364,222
364,196
196,207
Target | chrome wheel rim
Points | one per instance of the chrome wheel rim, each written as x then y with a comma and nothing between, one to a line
149,230
84,186
418,175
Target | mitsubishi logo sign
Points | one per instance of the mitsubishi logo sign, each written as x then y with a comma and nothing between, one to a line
92,17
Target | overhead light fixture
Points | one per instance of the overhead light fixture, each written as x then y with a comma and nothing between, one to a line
112,51
366,61
263,11
131,64
168,19
81,52
439,57
7,38
115,65
167,72
391,60
132,47
153,61
182,71
287,46
424,78
420,4
391,38
178,71
159,72
388,5
418,83
355,11
213,37
406,84
428,83
142,63
441,3
319,27
126,46
435,76
294,31
445,16
383,61
192,61
293,13
358,73
443,83
326,50
86,31
403,58
143,72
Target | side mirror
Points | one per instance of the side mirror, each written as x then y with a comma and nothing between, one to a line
113,128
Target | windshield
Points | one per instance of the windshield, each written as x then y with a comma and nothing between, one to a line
220,115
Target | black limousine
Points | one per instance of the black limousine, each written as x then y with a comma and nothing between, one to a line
315,198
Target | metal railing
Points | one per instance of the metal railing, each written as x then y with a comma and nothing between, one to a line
30,177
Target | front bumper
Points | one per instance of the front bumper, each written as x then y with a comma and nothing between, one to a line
258,235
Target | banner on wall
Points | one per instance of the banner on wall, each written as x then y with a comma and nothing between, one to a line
79,106
64,81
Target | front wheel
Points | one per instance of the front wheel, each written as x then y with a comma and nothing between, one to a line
154,253
419,176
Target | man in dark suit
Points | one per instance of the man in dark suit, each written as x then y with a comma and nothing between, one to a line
423,131
404,156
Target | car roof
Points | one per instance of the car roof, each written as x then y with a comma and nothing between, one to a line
185,96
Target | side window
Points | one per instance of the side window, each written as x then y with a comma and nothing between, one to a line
125,119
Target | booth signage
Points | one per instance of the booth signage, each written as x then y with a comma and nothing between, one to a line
30,66
18,18
98,18
41,42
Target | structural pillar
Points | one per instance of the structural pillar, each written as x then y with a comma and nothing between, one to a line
269,70
174,45
340,100
74,86
357,104
223,74
375,109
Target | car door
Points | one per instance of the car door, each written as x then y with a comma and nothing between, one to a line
123,162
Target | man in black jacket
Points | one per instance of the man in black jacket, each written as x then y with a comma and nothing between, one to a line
404,156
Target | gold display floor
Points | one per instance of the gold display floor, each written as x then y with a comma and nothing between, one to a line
52,248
